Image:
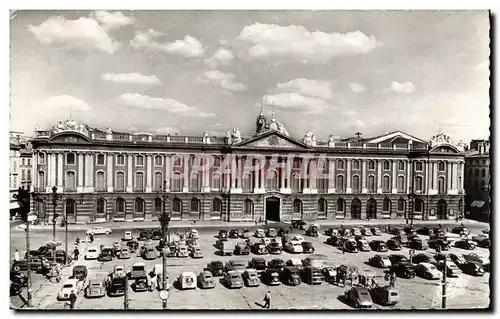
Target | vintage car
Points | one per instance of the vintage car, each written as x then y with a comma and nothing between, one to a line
145,235
118,271
472,268
206,280
138,271
271,232
329,274
233,233
259,249
452,270
378,245
245,233
426,231
233,279
475,258
98,231
274,248
393,244
266,241
91,253
106,254
286,240
422,258
170,251
346,232
409,230
276,240
96,288
223,234
124,253
298,238
283,231
127,236
397,231
70,285
351,246
149,253
271,277
236,265
193,233
312,231
363,245
380,261
196,252
461,230
439,243
116,248
60,256
457,259
418,244
132,246
182,251
259,233
403,239
242,248
359,297
366,232
307,247
442,257
376,231
156,234
295,262
398,258
331,232
187,280
482,241
140,284
258,263
428,271
80,272
251,278
438,234
290,275
294,247
336,241
115,286
299,224
384,295
485,231
465,244
277,264
355,231
312,262
403,270
216,267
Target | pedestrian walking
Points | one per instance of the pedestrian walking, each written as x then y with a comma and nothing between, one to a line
91,237
16,255
393,280
152,286
255,222
343,250
290,229
76,252
373,283
267,300
72,299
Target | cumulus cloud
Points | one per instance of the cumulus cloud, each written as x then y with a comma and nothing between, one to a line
64,102
205,115
131,78
114,20
406,87
308,87
297,43
356,87
188,47
224,80
296,102
221,57
83,34
165,130
360,123
147,102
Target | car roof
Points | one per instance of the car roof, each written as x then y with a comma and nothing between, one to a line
188,273
96,281
72,281
233,272
139,264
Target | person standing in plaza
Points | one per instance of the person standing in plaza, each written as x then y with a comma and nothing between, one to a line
76,252
72,299
152,285
267,300
16,255
91,237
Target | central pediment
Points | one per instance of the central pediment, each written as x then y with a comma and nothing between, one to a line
272,139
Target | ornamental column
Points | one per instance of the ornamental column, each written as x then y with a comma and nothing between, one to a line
427,177
239,174
448,178
80,186
233,173
394,177
435,178
409,178
379,176
262,164
90,169
129,174
185,187
168,170
364,189
60,183
282,173
109,173
205,173
349,176
288,173
455,177
34,174
149,173
313,173
461,180
256,174
331,175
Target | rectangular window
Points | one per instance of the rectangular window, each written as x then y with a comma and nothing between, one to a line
29,175
23,175
120,180
139,180
418,166
29,161
41,181
99,183
70,159
101,159
158,160
139,160
22,162
120,160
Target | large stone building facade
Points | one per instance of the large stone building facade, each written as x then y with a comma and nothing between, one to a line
477,179
108,176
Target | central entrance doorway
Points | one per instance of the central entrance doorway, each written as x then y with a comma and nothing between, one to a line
273,209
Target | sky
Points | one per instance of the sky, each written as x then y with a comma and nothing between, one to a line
332,72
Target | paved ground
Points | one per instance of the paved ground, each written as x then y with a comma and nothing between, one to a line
464,292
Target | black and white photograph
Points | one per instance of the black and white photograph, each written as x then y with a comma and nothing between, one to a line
256,160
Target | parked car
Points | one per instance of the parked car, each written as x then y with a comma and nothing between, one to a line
409,230
236,265
393,244
378,245
40,264
351,246
403,239
106,254
149,253
274,248
124,253
422,258
92,253
418,244
115,286
259,233
307,247
140,284
242,248
156,234
196,252
118,271
363,245
132,246
329,274
233,279
182,251
355,231
194,234
206,280
275,240
472,268
80,272
376,231
465,244
439,242
271,232
223,234
403,269
359,297
70,285
187,280
145,235
298,238
385,295
245,233
258,263
294,247
127,236
460,230
312,231
336,241
216,267
271,277
312,275
291,276
380,261
233,233
299,224
472,257
99,231
60,256
424,231
96,288
312,262
452,270
277,264
259,249
398,258
428,271
482,241
442,257
331,232
138,271
251,278
295,262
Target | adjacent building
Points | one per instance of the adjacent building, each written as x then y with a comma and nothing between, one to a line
103,175
477,179
17,169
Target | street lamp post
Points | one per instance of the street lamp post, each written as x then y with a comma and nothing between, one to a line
411,198
165,220
66,236
54,219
